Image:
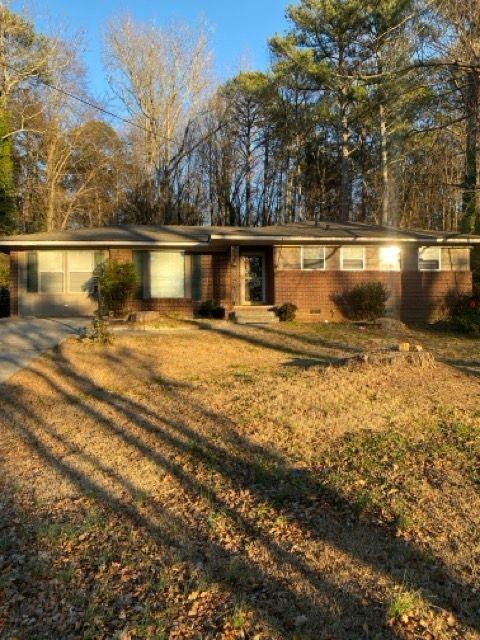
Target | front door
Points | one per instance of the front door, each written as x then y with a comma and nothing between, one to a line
253,278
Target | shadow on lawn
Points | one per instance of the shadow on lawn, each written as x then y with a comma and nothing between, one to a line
181,430
470,367
313,340
268,342
315,358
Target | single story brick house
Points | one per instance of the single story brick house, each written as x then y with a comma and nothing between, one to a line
242,268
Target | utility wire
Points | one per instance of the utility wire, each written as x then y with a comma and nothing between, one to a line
111,114
83,101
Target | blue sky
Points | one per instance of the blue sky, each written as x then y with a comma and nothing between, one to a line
240,27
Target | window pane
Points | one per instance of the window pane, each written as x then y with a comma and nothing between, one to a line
80,261
80,270
50,268
457,259
353,258
51,282
80,282
50,261
390,258
429,259
167,275
314,257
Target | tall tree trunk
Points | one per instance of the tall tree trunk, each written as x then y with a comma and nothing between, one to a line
470,219
345,170
385,220
266,169
8,213
363,169
51,185
248,180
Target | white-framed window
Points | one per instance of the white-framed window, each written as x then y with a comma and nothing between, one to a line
51,269
61,272
167,274
390,258
429,259
81,265
313,258
352,258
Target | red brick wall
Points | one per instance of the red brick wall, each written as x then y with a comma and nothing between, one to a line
216,281
425,294
165,305
121,255
14,275
415,296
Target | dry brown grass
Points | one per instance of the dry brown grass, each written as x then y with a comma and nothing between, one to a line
232,484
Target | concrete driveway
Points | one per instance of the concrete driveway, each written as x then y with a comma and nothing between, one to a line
24,339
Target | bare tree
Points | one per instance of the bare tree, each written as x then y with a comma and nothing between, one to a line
23,55
162,75
462,54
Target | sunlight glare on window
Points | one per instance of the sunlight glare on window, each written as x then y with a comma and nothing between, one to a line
390,258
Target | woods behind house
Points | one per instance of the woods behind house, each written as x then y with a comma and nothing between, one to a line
369,111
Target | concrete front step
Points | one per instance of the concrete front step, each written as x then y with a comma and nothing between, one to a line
254,315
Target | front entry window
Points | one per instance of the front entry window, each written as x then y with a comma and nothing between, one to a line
253,279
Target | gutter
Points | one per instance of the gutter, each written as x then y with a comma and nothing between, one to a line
96,243
302,239
248,239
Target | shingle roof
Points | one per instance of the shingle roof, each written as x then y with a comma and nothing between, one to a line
329,230
130,235
120,233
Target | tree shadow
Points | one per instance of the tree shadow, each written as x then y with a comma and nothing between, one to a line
469,367
168,435
316,341
255,340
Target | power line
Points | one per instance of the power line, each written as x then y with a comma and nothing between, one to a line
87,103
83,101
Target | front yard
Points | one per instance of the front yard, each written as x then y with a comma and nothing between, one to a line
232,483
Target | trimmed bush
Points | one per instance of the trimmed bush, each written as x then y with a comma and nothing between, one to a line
287,312
116,285
211,310
366,301
465,313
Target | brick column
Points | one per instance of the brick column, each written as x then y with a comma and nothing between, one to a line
235,275
14,282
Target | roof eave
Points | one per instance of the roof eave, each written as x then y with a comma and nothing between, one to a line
336,239
98,243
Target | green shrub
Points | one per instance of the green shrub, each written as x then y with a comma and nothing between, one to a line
366,301
116,285
465,313
212,310
287,312
4,271
99,332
